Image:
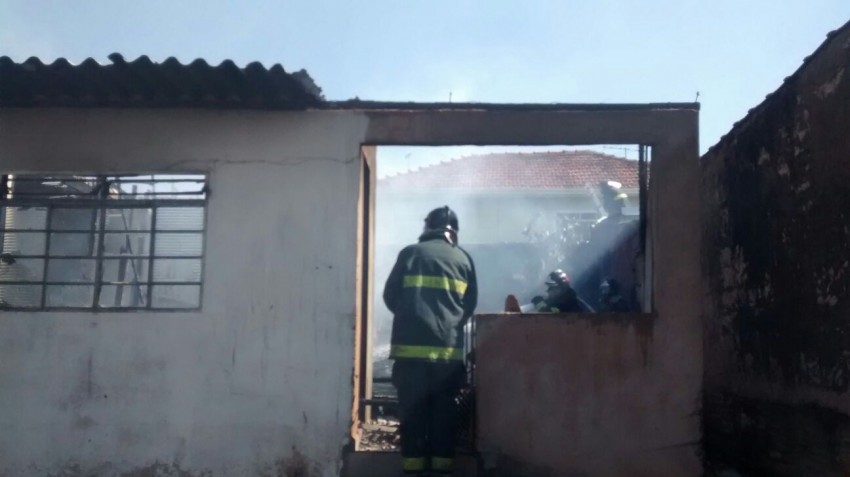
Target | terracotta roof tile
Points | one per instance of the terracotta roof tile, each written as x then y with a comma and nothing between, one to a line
536,170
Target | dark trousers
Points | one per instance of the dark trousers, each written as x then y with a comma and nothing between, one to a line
426,393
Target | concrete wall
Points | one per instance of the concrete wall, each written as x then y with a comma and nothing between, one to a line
606,395
777,266
259,382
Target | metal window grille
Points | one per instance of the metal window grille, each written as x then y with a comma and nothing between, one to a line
128,242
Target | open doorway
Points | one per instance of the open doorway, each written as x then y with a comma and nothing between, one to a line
524,212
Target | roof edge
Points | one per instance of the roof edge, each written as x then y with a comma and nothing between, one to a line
369,105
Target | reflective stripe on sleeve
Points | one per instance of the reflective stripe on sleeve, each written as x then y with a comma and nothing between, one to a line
432,281
433,353
413,464
442,464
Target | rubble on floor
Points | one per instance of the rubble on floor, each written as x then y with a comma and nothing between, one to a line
380,435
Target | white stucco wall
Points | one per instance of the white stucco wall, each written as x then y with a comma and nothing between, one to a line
259,382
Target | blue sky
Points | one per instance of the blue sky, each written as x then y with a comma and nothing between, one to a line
573,51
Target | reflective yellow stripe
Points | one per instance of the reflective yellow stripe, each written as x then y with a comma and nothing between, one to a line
425,352
442,464
413,464
431,281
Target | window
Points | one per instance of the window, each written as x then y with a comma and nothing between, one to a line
129,242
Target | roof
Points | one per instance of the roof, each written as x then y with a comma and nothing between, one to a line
368,105
536,170
144,83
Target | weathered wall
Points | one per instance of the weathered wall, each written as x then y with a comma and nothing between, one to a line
777,266
584,396
606,395
259,382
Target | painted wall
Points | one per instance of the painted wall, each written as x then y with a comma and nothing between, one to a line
584,396
259,382
777,267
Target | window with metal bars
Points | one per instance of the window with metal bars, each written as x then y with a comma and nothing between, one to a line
120,242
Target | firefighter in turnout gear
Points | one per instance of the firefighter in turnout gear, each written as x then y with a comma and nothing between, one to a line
432,292
560,297
612,253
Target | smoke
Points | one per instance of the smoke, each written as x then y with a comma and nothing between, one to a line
515,235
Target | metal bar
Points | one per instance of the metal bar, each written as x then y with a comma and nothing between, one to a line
48,220
71,203
91,284
4,195
84,232
379,401
97,310
152,254
111,257
137,265
4,187
203,256
101,245
642,194
110,180
112,195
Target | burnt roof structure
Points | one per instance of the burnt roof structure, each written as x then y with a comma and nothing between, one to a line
144,83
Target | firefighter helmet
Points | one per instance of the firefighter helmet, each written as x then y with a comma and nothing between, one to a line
612,190
558,278
442,218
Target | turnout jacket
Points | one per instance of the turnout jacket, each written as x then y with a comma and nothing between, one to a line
431,291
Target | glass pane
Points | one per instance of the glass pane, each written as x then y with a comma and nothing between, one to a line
77,296
82,219
177,270
71,270
177,296
24,243
73,244
169,245
128,219
125,270
23,270
120,243
20,296
123,296
180,218
24,218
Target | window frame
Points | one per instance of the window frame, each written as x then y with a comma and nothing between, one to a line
98,205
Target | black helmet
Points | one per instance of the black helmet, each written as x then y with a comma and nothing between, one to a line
443,218
558,278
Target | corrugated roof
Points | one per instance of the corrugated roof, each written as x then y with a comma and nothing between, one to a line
536,170
144,83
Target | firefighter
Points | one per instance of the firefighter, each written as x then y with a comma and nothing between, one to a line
432,292
610,298
560,296
612,251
